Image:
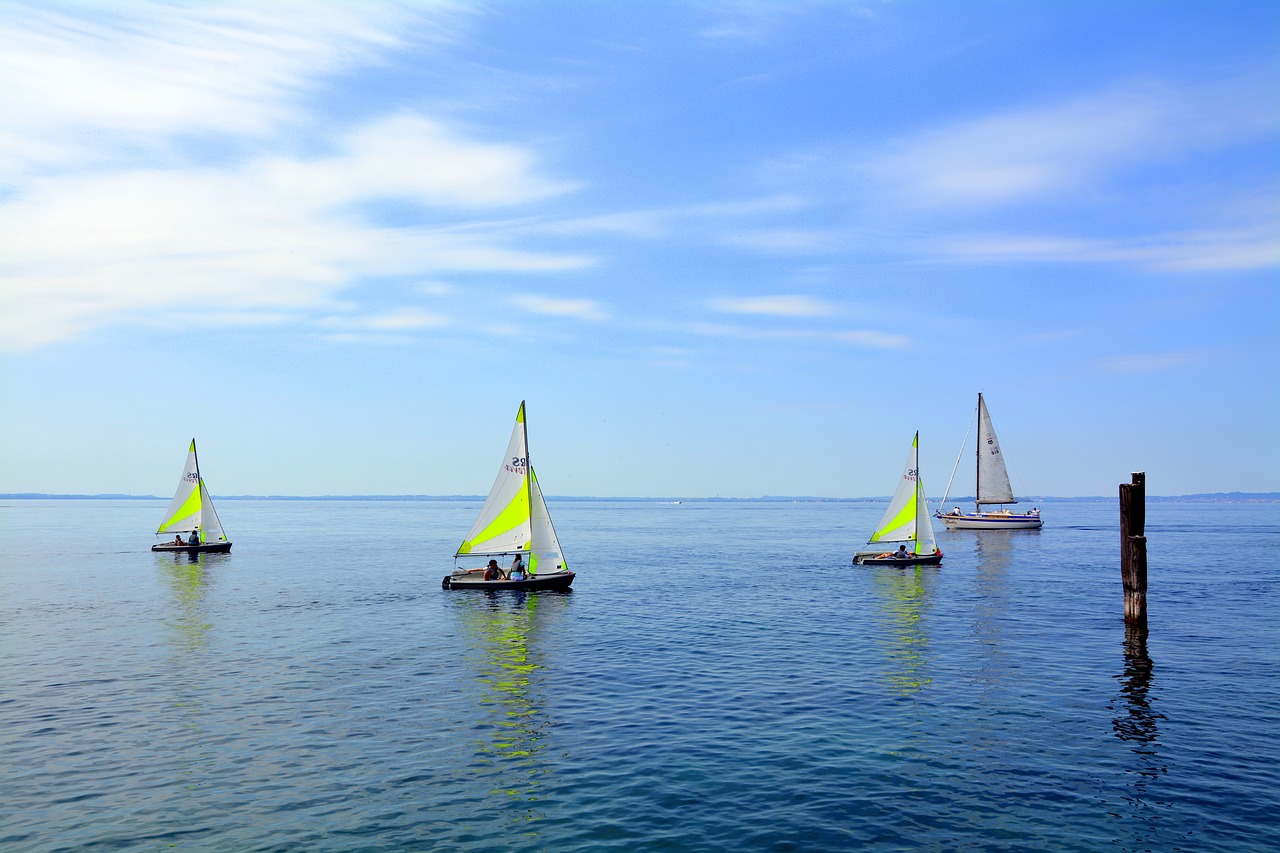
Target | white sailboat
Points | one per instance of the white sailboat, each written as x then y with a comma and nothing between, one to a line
906,521
513,522
991,487
191,512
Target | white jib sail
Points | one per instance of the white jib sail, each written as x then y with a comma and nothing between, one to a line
925,543
210,526
544,551
503,525
184,513
902,517
993,479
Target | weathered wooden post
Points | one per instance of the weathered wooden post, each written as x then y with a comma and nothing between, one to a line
1133,550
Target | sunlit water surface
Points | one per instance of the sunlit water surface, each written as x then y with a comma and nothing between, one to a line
719,678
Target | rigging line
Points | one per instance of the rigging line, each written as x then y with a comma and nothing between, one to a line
956,467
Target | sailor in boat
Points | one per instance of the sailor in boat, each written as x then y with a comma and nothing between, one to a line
492,572
194,538
901,553
517,569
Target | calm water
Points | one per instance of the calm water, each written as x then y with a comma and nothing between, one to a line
720,678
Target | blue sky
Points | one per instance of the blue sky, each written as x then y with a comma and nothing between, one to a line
721,248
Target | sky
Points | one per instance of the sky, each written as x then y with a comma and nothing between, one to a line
726,249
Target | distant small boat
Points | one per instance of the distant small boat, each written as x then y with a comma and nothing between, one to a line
513,522
191,512
991,487
906,521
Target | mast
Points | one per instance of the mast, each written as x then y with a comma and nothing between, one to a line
199,489
919,493
528,469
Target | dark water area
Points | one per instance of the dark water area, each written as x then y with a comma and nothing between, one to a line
720,677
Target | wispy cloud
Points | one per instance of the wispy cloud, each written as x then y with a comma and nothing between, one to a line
1067,147
581,309
868,338
107,82
1153,362
1250,247
399,320
774,306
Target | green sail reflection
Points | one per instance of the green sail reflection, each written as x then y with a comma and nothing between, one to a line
903,595
514,722
184,574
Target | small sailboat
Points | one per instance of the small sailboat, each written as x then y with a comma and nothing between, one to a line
513,523
906,521
991,487
191,512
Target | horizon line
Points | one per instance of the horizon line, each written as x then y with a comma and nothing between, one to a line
1234,496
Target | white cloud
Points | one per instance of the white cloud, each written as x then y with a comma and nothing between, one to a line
774,306
82,252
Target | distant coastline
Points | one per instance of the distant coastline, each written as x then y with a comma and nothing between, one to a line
1214,497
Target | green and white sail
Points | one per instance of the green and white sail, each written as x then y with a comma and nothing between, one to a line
907,518
191,507
514,518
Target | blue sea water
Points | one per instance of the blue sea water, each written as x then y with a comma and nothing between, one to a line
720,677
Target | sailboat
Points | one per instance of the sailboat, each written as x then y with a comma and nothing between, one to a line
906,521
191,512
513,522
991,488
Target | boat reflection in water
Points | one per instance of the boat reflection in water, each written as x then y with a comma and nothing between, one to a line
903,593
514,721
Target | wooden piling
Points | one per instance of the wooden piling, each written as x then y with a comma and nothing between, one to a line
1133,550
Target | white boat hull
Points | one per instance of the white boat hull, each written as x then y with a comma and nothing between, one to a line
992,521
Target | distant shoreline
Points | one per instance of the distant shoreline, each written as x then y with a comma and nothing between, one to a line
1215,497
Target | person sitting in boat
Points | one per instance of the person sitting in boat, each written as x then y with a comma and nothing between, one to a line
177,540
517,569
1035,510
492,572
901,553
194,538
955,510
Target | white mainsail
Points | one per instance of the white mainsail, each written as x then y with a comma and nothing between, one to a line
907,518
514,518
993,478
191,507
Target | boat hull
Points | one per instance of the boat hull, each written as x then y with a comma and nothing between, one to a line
474,579
202,548
992,521
877,559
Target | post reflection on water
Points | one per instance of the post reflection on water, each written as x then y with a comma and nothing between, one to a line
903,595
1135,721
515,723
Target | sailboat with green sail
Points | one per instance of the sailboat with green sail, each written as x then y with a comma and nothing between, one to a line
191,513
906,521
513,531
